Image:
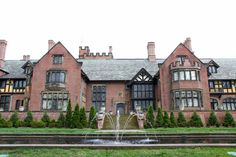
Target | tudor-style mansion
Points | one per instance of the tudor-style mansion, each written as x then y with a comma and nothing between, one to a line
182,81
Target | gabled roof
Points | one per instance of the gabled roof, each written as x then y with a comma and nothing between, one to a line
117,69
181,44
212,62
141,76
13,67
226,70
58,43
4,71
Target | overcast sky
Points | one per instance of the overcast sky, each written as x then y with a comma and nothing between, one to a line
127,25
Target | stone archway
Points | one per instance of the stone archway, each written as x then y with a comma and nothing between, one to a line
121,108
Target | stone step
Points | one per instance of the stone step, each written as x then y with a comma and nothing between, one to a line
133,124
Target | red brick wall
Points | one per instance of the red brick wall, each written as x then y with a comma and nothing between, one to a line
73,76
36,115
14,98
115,93
166,79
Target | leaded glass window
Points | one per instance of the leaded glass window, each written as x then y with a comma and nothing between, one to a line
99,97
56,100
185,75
56,76
187,98
57,59
4,103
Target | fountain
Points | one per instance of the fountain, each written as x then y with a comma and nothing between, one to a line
118,131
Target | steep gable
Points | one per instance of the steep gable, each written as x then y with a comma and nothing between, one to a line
58,49
182,50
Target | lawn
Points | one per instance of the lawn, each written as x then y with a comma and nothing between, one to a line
188,152
92,131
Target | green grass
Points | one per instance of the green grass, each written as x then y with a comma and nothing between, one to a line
93,131
188,152
45,131
191,130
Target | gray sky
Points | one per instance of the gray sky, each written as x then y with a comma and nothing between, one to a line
127,25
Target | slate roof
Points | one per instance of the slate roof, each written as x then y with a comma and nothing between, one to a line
227,69
117,69
124,69
13,67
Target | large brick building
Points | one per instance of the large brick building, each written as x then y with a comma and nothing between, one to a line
182,81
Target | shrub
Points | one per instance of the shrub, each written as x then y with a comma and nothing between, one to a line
159,118
172,120
228,120
61,121
76,117
181,121
83,118
92,118
37,124
45,119
4,123
166,120
20,123
149,118
52,124
212,120
195,120
28,119
14,118
68,121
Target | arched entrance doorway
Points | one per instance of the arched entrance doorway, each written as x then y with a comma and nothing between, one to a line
121,108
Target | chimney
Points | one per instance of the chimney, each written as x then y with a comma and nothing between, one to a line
151,51
110,49
51,43
3,45
26,57
187,43
83,51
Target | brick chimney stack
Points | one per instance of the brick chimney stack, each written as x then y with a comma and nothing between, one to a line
51,43
83,51
187,43
3,45
26,57
110,49
151,51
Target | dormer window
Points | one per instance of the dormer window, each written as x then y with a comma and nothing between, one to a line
27,70
212,69
57,59
181,59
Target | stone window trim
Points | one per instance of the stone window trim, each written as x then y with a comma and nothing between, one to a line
57,58
19,105
99,96
5,103
229,104
214,104
187,98
185,75
142,95
51,99
56,76
181,59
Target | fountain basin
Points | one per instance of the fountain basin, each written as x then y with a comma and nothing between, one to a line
110,139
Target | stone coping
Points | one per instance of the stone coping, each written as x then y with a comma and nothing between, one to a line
122,131
115,146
